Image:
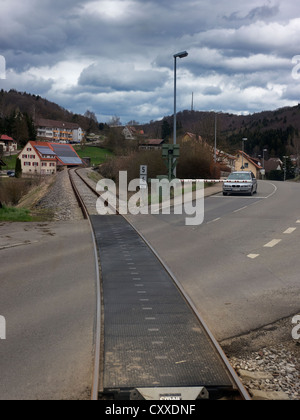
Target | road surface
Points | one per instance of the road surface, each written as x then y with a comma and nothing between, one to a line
241,266
48,299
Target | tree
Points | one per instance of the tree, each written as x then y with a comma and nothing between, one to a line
115,121
166,129
91,115
18,169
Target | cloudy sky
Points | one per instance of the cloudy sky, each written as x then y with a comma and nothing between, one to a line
115,57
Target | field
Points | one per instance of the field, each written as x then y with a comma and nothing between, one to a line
97,155
10,162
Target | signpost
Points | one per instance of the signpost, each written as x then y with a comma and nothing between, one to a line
171,152
143,177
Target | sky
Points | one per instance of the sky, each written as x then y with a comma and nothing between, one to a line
115,57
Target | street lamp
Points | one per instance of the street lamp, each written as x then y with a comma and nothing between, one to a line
264,172
182,54
285,168
243,140
215,152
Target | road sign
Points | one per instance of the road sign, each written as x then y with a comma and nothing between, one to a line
143,176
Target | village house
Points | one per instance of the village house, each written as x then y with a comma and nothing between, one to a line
226,159
9,145
152,144
41,158
131,133
247,163
59,131
191,137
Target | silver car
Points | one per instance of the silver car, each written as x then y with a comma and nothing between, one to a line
240,183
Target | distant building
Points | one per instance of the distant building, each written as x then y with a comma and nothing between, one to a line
192,137
131,133
154,144
8,144
41,158
59,131
273,164
247,163
226,159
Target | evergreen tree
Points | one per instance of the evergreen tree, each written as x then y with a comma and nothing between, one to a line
18,169
166,129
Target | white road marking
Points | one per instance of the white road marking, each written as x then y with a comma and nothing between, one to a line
290,230
253,256
213,221
273,243
243,208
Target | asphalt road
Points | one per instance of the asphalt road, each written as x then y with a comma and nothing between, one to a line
47,283
237,283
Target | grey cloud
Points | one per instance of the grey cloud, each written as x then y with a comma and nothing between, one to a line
236,52
257,13
212,91
122,76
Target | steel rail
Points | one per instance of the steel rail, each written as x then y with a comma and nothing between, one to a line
232,374
98,323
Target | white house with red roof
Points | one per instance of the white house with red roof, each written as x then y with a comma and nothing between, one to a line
41,158
8,144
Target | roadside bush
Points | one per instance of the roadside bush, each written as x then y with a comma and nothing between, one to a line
196,162
12,190
132,163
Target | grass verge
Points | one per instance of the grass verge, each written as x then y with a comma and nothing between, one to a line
12,214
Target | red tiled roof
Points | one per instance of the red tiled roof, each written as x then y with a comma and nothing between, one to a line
4,137
154,142
254,161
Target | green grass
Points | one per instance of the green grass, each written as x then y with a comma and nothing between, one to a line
97,155
12,214
10,163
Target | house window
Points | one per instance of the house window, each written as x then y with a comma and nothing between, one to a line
246,165
35,164
27,164
44,164
29,149
24,156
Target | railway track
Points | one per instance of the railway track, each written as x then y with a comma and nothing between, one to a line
150,341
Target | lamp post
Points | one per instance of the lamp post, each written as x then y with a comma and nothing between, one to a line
182,54
285,168
215,151
264,151
243,140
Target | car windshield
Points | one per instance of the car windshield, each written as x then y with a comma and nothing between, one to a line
240,176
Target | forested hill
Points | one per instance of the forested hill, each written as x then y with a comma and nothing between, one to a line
18,111
278,131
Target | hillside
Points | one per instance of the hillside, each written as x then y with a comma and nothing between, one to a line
278,131
18,111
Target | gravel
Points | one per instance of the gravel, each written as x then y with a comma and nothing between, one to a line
267,361
60,200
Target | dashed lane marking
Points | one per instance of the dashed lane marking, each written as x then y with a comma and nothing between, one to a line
253,256
273,243
290,230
